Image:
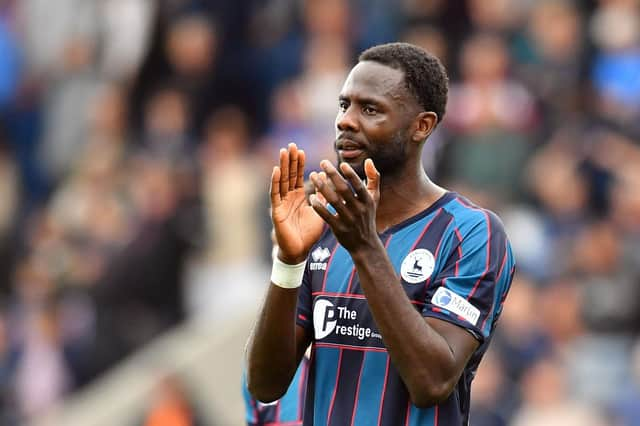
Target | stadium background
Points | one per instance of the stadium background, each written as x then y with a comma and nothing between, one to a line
136,139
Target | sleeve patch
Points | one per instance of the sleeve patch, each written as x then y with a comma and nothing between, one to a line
446,299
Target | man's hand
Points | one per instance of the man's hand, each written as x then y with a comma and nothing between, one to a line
354,223
297,226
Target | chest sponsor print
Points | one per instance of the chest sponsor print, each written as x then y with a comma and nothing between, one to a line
345,320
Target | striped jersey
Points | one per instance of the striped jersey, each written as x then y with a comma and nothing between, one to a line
454,262
287,411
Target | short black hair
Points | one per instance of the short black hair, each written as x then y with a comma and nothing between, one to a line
424,74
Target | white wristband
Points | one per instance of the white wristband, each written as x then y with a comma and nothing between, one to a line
287,276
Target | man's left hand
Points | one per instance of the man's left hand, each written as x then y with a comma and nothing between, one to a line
354,223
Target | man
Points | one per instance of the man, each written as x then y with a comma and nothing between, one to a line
404,280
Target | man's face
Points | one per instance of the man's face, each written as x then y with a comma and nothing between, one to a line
374,119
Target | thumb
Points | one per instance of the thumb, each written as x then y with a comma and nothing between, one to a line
373,179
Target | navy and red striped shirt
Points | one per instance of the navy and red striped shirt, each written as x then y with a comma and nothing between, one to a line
455,263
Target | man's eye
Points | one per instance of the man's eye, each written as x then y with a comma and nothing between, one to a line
343,105
369,110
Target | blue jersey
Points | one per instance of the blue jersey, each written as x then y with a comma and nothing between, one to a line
287,411
454,262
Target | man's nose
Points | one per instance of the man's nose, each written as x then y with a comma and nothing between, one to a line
347,120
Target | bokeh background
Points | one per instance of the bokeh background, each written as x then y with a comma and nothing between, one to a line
136,141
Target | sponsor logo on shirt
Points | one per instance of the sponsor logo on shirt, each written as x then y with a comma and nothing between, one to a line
446,299
344,320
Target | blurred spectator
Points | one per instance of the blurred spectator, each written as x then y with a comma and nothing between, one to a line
615,74
563,323
9,355
235,202
434,41
563,193
166,122
498,16
10,61
42,375
522,339
311,122
423,10
530,239
491,395
141,292
625,409
232,189
546,402
611,289
191,47
170,406
9,206
69,50
549,57
490,116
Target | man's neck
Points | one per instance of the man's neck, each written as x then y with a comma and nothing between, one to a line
403,197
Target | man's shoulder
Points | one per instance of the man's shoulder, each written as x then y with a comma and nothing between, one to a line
469,217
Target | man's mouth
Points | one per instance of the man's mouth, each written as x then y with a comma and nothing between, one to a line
350,153
349,149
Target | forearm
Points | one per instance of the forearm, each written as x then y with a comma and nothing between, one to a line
422,356
271,351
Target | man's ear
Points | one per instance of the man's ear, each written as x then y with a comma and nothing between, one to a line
426,121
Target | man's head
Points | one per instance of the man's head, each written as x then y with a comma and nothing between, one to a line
389,104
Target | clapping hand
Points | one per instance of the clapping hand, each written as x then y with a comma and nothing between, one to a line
354,220
297,226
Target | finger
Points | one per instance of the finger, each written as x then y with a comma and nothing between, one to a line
355,181
275,188
321,198
301,160
323,212
293,165
284,172
373,179
323,186
340,184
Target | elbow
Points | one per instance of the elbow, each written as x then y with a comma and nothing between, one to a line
265,396
265,387
263,392
430,395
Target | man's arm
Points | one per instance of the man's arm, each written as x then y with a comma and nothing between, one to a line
277,344
430,354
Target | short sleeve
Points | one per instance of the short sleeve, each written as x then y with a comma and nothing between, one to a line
252,414
469,289
304,312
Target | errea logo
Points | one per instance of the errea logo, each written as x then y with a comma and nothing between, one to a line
319,257
320,254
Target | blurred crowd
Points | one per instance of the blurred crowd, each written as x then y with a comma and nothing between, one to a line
137,137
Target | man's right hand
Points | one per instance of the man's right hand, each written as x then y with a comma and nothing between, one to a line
297,226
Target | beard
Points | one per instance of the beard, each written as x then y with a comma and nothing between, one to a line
389,157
